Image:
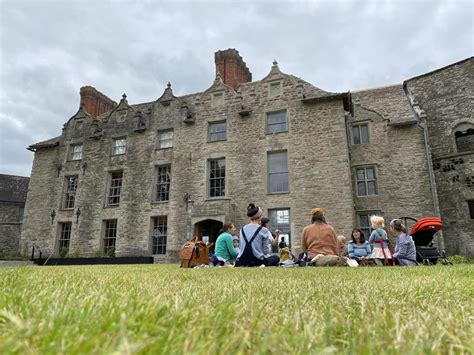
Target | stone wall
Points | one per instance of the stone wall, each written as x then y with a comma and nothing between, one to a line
444,99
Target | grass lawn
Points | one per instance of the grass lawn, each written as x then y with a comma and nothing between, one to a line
165,309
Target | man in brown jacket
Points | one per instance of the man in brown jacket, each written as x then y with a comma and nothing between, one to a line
319,237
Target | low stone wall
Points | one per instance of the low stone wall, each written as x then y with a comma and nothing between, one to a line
10,237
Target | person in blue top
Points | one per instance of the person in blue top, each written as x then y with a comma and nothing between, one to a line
224,249
358,248
405,250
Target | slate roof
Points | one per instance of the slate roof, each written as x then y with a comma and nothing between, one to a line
13,188
388,101
53,142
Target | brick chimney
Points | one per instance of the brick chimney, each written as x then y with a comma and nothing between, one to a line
232,68
94,102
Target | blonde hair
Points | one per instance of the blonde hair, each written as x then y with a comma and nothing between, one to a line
377,222
341,239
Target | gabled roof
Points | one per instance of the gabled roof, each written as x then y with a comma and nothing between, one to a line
13,188
53,142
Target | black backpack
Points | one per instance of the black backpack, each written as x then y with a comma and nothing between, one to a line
247,258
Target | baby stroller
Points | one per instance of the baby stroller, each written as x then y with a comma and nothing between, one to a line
423,232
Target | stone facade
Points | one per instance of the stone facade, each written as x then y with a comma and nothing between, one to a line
444,100
322,164
13,190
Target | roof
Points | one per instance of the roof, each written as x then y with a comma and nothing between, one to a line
388,101
440,69
53,142
13,188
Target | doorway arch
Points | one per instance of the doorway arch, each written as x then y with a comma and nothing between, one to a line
210,228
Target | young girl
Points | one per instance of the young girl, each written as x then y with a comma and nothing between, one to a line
379,240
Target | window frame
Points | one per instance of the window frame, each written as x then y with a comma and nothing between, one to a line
68,194
268,125
359,128
285,228
72,152
109,241
159,248
64,242
116,147
366,181
110,189
270,173
160,140
158,183
210,134
367,228
222,182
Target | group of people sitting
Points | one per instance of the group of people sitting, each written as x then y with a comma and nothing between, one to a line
257,246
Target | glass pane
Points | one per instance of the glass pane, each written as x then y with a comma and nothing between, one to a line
360,174
356,134
278,182
364,220
361,189
371,188
364,134
370,173
278,162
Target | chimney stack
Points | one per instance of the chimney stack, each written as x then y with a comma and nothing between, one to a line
94,102
232,68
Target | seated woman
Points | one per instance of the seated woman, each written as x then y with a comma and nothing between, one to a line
405,250
358,248
224,250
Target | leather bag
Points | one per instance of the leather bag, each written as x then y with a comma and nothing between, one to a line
193,253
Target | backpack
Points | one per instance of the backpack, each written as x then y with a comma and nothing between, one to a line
247,258
193,253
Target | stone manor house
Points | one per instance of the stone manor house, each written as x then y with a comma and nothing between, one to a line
141,179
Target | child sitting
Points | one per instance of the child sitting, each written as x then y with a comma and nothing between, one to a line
379,240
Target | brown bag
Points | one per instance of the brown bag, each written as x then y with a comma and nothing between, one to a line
194,253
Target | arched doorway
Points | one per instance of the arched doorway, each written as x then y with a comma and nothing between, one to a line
208,228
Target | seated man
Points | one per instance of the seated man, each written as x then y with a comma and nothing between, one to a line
224,249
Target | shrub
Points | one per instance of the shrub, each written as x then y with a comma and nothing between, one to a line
459,259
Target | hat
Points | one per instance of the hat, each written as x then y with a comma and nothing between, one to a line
317,212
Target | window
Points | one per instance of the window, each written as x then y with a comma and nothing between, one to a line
163,180
280,218
364,222
218,99
70,192
119,146
366,181
75,152
21,214
360,134
110,237
165,139
464,134
470,205
113,199
217,178
275,89
277,122
217,131
64,238
278,172
159,234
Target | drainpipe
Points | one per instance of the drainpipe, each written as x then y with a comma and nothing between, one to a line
421,123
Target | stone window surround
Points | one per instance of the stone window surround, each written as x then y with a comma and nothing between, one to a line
109,235
360,123
355,178
71,151
208,178
67,192
63,235
159,139
218,99
115,147
269,152
272,112
156,182
156,222
109,187
209,134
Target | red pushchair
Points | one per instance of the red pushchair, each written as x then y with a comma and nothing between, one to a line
423,232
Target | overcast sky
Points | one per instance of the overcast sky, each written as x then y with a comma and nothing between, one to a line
49,49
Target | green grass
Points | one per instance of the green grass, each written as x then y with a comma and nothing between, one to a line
164,309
